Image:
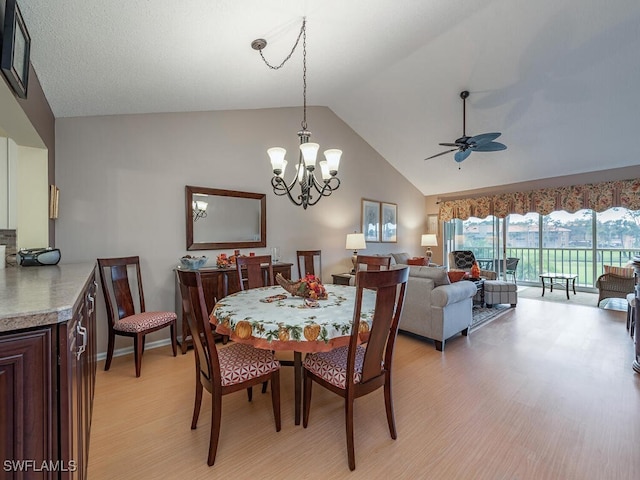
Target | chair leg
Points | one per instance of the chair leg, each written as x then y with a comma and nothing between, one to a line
250,393
388,403
107,363
264,386
174,338
275,398
216,413
348,417
138,348
198,402
306,402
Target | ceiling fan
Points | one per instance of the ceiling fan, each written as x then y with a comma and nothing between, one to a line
465,145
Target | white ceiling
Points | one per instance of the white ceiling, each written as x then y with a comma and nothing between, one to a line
558,78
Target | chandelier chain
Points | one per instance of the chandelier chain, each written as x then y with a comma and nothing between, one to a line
278,67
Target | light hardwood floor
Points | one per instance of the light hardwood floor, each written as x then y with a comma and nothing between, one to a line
546,391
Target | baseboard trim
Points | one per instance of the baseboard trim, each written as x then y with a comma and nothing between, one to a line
127,350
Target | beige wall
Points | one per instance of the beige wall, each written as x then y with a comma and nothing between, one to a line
33,198
122,181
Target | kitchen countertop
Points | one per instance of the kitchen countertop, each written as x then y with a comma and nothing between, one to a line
38,296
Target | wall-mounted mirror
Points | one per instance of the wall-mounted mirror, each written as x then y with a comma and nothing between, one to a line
219,219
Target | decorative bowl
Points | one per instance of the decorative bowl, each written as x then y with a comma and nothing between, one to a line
193,263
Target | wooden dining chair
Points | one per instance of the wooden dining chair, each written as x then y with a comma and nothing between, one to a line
250,273
226,370
118,276
307,262
373,262
356,370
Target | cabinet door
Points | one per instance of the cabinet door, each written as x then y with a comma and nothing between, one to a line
27,379
75,411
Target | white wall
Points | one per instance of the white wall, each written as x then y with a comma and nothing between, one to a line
122,180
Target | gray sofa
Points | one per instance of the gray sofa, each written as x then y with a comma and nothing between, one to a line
435,308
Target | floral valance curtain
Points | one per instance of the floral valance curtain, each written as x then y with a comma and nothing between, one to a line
594,196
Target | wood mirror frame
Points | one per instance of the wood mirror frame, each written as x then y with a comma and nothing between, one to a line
233,219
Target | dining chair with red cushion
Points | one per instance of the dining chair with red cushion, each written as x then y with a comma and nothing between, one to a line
356,370
118,276
229,369
250,273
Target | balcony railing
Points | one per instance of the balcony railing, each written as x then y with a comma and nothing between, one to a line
575,261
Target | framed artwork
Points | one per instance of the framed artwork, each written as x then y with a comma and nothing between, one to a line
389,226
432,224
16,47
371,220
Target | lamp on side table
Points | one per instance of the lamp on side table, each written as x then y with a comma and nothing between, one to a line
429,240
355,242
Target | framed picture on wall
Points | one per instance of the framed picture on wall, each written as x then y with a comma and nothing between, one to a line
371,220
389,222
16,45
432,224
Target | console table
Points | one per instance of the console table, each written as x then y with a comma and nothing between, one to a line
217,283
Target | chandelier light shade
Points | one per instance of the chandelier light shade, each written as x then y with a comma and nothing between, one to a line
429,240
355,242
311,187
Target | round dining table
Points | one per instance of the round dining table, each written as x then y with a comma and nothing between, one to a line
272,319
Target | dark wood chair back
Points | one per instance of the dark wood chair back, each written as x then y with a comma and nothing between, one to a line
253,276
373,262
194,308
382,336
307,261
114,276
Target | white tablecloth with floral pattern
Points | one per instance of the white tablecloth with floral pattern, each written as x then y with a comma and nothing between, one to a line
290,323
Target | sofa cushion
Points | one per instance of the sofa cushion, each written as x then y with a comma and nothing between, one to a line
438,275
401,258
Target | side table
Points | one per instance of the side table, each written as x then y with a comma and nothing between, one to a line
342,278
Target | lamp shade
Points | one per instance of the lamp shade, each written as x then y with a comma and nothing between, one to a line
429,240
355,241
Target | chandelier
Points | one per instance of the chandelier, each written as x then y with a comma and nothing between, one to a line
311,188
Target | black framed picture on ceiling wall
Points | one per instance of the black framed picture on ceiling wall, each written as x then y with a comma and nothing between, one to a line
15,48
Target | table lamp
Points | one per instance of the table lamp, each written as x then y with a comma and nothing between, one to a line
355,242
429,240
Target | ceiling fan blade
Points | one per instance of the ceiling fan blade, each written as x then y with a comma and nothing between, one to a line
461,155
489,147
441,153
483,138
451,144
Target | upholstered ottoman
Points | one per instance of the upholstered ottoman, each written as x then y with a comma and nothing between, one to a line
498,291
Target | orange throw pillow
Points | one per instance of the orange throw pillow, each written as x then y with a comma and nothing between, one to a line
417,261
456,276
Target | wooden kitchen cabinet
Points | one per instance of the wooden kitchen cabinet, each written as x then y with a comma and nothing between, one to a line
47,384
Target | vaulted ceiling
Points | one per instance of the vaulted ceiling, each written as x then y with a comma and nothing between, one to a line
558,78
